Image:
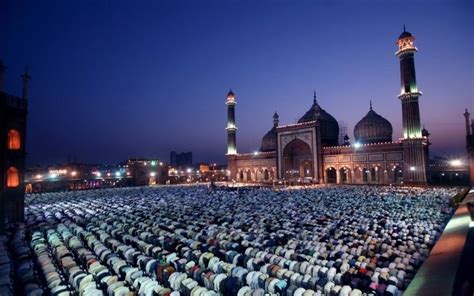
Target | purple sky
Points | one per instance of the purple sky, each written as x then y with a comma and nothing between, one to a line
119,79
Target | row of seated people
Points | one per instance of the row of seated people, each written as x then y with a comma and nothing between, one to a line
189,241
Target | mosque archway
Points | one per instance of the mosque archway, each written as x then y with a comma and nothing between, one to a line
385,176
331,175
365,175
358,175
396,175
272,173
377,175
298,160
259,175
345,175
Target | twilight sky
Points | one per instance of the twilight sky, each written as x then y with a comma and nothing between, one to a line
119,79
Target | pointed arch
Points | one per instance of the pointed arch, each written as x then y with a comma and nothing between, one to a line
297,159
14,140
13,177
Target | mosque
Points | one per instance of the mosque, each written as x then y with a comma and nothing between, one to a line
308,151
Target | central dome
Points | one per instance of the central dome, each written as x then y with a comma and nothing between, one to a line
328,124
373,128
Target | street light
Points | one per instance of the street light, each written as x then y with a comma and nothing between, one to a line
455,162
412,168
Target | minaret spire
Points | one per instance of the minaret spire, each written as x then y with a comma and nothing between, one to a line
2,73
314,97
370,101
25,77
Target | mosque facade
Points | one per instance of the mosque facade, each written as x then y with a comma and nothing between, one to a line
13,115
309,151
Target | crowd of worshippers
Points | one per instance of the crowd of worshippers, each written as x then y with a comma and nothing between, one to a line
346,240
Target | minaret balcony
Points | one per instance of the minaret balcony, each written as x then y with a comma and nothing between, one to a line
410,95
404,50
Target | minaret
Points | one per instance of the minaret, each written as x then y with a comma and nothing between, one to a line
231,128
2,74
231,136
415,154
409,90
472,126
25,78
470,144
276,119
467,117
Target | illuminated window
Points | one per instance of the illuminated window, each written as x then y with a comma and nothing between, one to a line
14,140
13,177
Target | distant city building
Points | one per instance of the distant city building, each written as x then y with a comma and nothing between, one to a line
76,176
181,160
204,167
199,173
133,172
145,172
310,150
13,114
